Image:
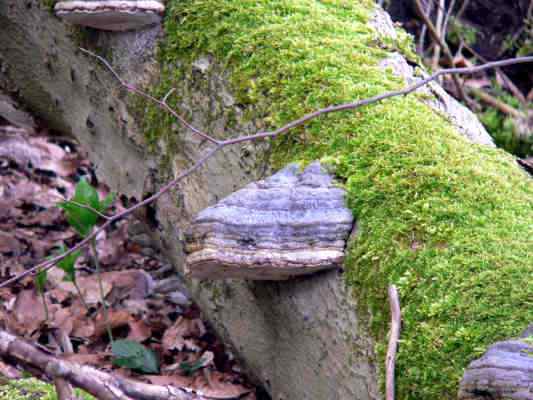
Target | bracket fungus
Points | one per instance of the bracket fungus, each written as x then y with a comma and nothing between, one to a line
111,15
292,223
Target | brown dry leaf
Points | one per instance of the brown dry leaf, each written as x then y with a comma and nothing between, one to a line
139,330
82,327
137,284
28,312
9,244
174,337
219,387
134,283
113,249
116,319
89,288
63,320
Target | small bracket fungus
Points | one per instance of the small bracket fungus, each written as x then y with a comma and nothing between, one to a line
504,372
111,15
290,224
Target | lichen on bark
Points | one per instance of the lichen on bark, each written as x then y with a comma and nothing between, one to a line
448,221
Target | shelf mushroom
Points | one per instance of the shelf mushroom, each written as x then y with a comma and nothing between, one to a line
111,15
292,223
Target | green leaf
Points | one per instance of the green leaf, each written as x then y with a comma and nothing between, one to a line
67,264
40,280
133,355
189,368
82,219
106,203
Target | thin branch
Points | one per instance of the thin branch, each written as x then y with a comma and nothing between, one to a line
102,215
390,361
423,30
444,29
262,135
438,29
507,81
463,8
161,103
494,102
101,289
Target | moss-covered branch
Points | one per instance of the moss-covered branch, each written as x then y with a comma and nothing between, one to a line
447,221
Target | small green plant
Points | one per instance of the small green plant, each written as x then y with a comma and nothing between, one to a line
84,209
189,368
458,32
67,264
83,212
135,356
40,283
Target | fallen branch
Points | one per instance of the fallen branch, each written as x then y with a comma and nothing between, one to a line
220,144
494,102
64,389
390,361
102,385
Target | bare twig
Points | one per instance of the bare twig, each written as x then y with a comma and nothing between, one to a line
162,103
101,289
463,8
64,388
444,29
220,144
438,30
502,75
390,361
436,36
423,30
75,203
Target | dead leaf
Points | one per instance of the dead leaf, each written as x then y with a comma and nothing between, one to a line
139,330
28,312
116,319
174,337
218,387
89,288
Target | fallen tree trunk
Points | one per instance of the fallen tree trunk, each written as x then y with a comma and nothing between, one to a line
419,189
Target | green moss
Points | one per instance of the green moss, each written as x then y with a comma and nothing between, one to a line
49,4
449,222
32,389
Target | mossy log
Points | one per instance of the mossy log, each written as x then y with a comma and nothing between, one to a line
447,220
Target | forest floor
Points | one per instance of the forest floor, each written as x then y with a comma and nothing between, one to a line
147,301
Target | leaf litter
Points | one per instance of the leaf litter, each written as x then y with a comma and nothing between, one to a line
149,307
